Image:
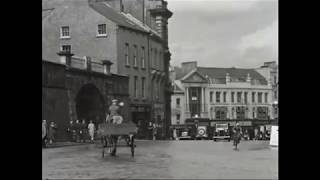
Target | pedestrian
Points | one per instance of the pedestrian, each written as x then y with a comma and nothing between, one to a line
77,128
70,130
52,132
84,133
236,135
154,132
44,133
256,134
91,129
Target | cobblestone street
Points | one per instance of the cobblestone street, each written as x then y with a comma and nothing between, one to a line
164,159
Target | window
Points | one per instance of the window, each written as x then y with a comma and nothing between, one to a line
218,97
143,63
239,97
253,97
275,79
259,97
240,112
102,30
275,95
143,83
221,113
178,118
178,102
135,53
211,96
232,97
66,48
135,86
266,97
127,54
224,96
246,97
65,32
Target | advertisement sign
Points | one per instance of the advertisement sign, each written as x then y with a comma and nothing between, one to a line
274,136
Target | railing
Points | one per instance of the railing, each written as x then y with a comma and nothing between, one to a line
81,63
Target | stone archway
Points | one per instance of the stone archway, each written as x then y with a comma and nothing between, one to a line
90,104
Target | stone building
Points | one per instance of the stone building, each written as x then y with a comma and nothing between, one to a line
221,95
130,34
270,71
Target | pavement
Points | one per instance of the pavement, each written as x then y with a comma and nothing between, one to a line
164,160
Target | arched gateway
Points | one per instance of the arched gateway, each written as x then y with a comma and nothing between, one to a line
90,104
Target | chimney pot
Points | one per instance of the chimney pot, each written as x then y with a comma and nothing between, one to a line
107,66
65,57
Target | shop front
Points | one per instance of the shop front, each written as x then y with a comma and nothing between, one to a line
141,117
158,120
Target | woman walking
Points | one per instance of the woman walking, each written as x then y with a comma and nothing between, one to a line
236,136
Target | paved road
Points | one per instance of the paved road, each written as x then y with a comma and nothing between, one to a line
164,159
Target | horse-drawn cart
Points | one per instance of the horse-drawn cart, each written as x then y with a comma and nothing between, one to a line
111,134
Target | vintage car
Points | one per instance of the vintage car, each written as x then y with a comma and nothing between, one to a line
202,132
221,132
185,135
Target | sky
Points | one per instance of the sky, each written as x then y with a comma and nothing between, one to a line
223,33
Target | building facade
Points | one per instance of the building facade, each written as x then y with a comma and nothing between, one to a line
127,34
222,95
270,71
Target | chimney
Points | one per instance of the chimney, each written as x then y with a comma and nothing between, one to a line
107,66
188,66
65,57
87,61
248,78
228,78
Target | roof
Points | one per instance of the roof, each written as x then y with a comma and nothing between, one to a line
178,86
107,11
139,23
179,72
46,12
220,74
234,73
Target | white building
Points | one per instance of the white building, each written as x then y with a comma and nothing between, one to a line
221,94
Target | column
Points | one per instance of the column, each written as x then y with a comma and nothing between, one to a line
187,99
202,100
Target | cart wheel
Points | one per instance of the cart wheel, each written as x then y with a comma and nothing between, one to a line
132,146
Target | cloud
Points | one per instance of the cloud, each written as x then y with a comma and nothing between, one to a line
223,33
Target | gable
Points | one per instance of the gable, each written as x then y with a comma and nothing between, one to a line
195,78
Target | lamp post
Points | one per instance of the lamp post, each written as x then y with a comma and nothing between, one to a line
275,109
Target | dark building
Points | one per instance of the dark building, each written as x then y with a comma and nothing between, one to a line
70,92
132,34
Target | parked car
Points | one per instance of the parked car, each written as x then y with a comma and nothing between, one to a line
221,132
185,135
202,132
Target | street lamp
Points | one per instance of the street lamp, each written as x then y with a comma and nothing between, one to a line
275,107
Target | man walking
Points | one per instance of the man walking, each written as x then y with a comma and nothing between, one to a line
91,129
44,133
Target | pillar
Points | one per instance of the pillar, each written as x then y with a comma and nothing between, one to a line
187,99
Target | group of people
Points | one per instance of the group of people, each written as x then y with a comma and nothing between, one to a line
48,132
80,132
